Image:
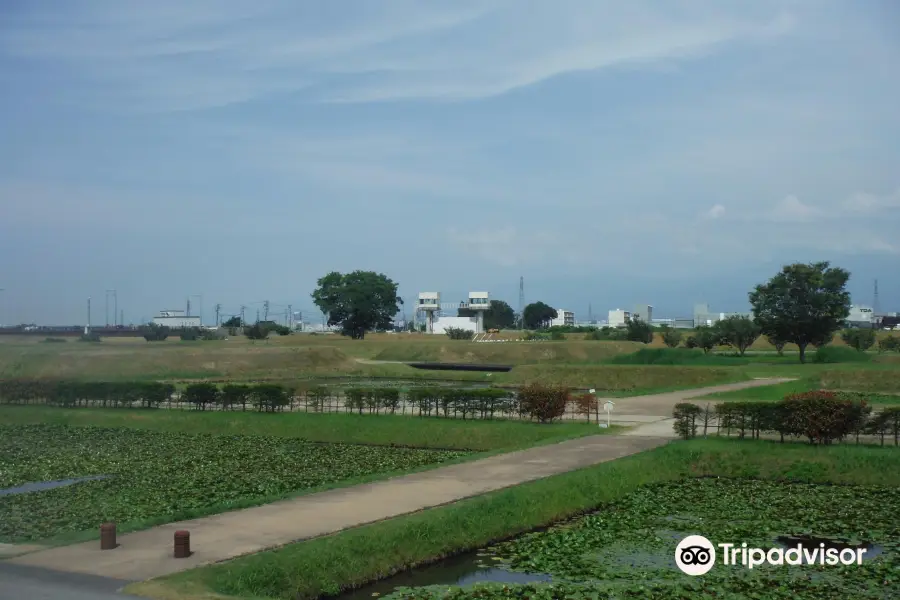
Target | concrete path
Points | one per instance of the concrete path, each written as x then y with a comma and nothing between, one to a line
146,554
31,583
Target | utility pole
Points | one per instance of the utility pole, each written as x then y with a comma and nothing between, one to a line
188,307
257,315
266,307
242,314
290,316
122,317
1,311
200,297
521,302
87,328
218,310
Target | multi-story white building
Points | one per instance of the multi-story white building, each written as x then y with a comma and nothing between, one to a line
564,318
618,317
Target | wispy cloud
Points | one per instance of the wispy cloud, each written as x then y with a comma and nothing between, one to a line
182,56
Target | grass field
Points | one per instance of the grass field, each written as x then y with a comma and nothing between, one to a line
329,564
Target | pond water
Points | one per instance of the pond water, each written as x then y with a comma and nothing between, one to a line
462,570
41,486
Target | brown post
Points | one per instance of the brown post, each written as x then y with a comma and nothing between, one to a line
108,536
182,544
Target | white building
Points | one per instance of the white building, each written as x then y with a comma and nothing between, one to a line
861,316
176,319
618,317
442,324
644,312
564,318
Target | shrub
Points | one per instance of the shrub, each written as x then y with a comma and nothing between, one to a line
671,337
886,422
543,402
233,394
189,334
822,416
637,330
212,335
859,339
269,397
706,338
54,340
690,342
257,331
838,354
201,395
889,343
587,405
557,335
316,397
89,337
458,333
154,333
673,356
685,415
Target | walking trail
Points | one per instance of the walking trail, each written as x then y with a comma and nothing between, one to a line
147,554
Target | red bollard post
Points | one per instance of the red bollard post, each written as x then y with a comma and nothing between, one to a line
108,536
182,544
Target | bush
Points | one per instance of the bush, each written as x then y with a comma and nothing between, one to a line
233,395
859,339
889,343
685,415
154,333
270,397
838,354
189,334
543,402
201,395
257,331
54,340
822,416
637,330
587,405
671,337
557,335
674,356
458,333
608,334
89,337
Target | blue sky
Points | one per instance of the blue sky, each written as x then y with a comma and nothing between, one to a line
612,153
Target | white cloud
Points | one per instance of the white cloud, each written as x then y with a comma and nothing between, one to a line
792,209
715,212
867,203
173,55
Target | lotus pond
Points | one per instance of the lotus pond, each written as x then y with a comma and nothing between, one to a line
154,476
627,549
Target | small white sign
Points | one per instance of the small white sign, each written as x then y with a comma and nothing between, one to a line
592,390
609,405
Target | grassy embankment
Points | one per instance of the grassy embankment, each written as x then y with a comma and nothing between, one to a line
329,564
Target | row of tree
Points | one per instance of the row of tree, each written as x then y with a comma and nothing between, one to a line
804,304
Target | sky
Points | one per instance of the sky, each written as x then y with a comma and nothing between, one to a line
612,153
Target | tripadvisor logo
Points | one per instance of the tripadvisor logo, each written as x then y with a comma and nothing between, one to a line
696,555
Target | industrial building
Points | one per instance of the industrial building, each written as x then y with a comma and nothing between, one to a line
644,312
564,318
861,316
618,317
435,322
176,319
704,316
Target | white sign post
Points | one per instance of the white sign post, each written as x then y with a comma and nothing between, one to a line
608,406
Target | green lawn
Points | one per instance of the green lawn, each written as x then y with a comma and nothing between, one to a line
330,564
773,393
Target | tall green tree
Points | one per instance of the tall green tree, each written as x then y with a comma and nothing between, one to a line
738,331
638,330
705,337
358,302
537,314
671,337
804,304
500,315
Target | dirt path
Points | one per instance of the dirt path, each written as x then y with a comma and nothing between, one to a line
147,554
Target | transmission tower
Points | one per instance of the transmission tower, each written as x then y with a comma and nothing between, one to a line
875,308
521,302
218,310
242,314
590,313
266,309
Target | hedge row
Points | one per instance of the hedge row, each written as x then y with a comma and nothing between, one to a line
538,402
819,416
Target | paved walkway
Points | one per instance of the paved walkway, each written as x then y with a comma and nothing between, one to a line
147,554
